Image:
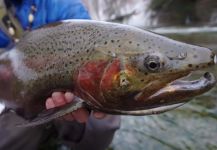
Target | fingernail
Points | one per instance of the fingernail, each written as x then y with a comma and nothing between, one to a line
49,103
69,96
58,98
56,94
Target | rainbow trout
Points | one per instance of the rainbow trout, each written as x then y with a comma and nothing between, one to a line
112,68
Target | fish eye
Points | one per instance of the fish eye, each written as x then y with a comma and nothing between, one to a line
152,63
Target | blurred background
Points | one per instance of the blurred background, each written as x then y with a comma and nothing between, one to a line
193,126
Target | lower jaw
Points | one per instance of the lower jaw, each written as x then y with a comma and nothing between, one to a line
181,91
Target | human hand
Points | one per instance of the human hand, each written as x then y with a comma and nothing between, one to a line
81,115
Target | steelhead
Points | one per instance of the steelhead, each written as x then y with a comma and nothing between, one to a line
113,68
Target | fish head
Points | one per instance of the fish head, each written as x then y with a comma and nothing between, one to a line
147,77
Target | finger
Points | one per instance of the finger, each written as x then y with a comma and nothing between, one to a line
69,117
99,115
49,103
81,115
58,99
69,97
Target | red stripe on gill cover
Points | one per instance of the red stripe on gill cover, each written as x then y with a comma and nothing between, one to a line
89,77
110,76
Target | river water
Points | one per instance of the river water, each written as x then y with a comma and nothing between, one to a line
190,127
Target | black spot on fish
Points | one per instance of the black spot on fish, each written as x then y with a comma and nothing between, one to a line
190,65
196,66
105,42
119,45
142,80
138,44
130,42
112,41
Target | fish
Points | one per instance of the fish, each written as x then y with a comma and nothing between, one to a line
113,68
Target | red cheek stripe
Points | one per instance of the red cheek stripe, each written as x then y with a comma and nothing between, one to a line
89,78
110,75
95,76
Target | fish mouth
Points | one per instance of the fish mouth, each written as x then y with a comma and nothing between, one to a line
180,90
175,94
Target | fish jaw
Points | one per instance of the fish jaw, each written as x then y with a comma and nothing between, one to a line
180,91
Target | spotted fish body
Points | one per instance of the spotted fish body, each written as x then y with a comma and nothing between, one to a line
113,68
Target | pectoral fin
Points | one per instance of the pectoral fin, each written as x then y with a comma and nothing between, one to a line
53,113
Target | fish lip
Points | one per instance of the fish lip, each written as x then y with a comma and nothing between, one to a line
207,78
180,91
